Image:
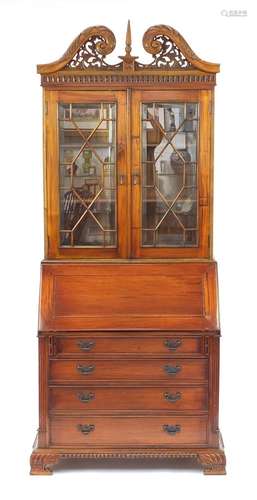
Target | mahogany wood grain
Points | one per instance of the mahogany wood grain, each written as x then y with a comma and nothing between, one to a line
92,344
138,370
43,392
88,398
123,296
135,431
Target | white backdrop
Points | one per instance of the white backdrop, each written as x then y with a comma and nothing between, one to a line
39,31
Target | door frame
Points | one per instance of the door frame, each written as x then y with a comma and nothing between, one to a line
205,173
51,174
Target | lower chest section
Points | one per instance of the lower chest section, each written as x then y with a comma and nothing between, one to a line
128,388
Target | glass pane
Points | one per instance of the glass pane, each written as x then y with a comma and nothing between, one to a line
154,208
169,174
88,175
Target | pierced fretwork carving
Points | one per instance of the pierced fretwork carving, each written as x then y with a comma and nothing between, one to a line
90,55
87,53
169,56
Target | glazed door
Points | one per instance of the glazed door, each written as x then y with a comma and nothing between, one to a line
86,174
128,180
171,164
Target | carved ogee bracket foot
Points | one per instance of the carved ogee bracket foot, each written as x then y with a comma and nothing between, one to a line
213,463
42,464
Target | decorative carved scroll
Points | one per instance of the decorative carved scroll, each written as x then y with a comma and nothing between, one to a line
87,53
171,51
89,49
167,56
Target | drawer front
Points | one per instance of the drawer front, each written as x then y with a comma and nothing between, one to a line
70,346
90,431
149,370
128,398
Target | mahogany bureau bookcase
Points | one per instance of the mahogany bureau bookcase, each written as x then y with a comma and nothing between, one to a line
128,315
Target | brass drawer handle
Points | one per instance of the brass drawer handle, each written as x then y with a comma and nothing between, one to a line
85,369
86,428
172,398
172,370
86,345
85,397
172,344
171,429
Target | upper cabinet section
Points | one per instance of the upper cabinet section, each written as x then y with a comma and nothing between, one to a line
128,149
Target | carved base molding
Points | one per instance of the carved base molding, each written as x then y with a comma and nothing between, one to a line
43,460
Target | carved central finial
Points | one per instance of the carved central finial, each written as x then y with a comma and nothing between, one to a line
128,40
128,59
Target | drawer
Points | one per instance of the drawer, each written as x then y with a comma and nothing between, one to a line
128,398
70,346
145,369
137,431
